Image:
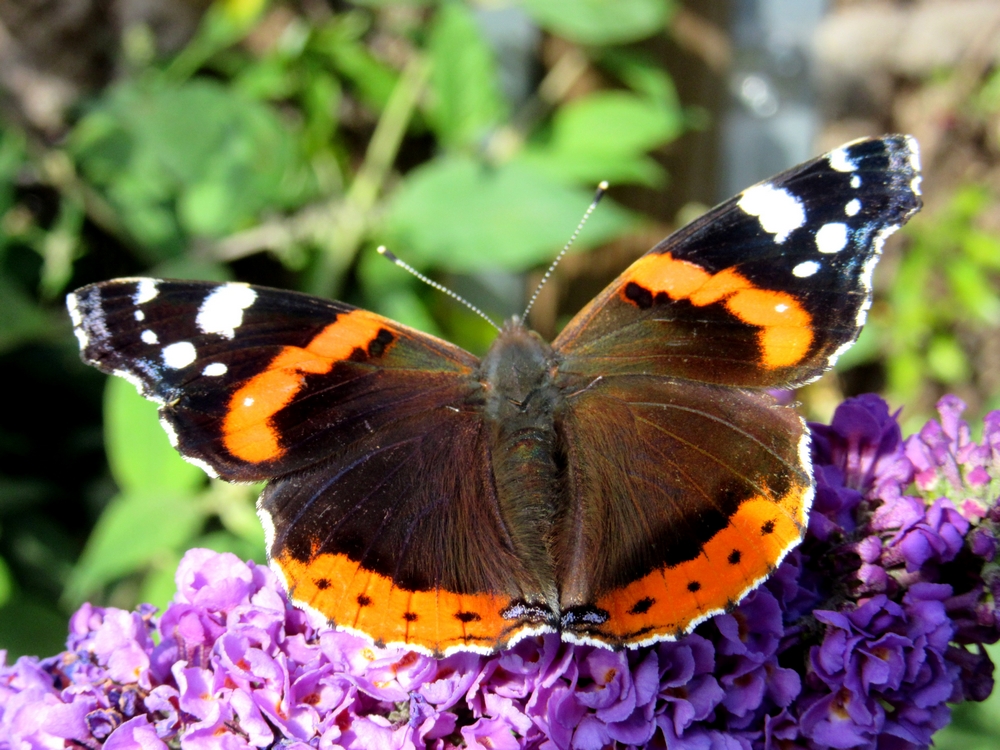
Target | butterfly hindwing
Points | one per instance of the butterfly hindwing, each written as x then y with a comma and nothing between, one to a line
711,488
399,535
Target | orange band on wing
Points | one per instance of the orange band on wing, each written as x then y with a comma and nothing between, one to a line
247,430
667,601
355,598
785,335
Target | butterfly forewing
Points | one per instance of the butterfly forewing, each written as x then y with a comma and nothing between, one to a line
764,290
254,382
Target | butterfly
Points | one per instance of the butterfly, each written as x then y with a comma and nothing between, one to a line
617,486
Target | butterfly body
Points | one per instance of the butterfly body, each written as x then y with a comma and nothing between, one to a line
617,486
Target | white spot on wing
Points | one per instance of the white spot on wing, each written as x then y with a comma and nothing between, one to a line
149,337
140,315
852,208
781,307
248,401
146,291
840,161
855,181
779,211
181,354
806,269
215,369
832,237
222,310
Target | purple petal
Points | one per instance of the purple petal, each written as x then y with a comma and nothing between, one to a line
135,734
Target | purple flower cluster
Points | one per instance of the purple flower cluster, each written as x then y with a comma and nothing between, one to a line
859,640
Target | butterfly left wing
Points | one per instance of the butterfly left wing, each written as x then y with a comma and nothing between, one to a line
371,437
701,480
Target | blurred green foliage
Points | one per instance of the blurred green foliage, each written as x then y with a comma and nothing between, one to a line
281,149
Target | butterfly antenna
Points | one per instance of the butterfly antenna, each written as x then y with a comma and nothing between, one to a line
602,188
388,255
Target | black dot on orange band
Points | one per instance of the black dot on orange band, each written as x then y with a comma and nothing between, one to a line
642,606
767,528
734,557
467,616
322,583
364,601
694,586
410,616
378,345
638,295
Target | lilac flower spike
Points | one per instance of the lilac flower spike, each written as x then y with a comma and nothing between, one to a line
858,640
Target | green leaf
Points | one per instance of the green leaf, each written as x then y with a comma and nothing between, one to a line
975,726
983,248
868,347
905,374
600,21
159,585
6,582
30,626
199,152
340,43
139,453
974,291
605,136
223,541
12,158
464,97
460,215
134,531
643,75
946,360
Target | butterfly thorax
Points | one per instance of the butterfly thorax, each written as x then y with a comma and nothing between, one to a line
517,374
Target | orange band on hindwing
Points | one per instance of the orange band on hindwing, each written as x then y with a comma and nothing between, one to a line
785,333
248,432
358,599
667,601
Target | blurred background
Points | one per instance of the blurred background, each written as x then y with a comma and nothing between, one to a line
280,142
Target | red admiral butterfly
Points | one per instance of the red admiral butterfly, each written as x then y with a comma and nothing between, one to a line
618,486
